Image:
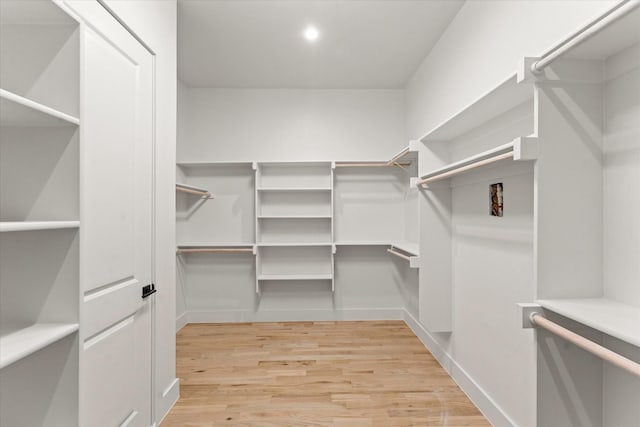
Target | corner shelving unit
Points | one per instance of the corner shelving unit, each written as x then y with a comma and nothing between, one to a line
391,215
294,222
39,214
290,209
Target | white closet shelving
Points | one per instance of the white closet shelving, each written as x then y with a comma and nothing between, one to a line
27,341
293,209
293,190
486,142
607,65
214,248
611,317
370,209
292,206
294,222
494,103
16,110
295,216
215,204
215,235
586,258
362,243
39,214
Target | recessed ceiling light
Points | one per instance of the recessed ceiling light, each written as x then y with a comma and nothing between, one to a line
311,34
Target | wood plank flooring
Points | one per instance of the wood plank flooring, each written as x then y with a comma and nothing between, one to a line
343,374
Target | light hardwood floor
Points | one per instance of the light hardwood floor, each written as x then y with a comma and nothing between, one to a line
354,374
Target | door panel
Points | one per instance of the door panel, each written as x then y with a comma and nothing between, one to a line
110,305
111,85
108,358
116,221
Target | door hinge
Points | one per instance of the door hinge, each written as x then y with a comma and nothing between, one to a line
148,290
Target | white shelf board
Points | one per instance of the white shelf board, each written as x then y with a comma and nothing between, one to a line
294,189
214,245
296,164
294,245
409,247
613,318
36,225
22,343
362,243
327,276
294,216
198,163
505,96
16,110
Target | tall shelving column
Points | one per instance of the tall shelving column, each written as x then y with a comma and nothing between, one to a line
215,236
39,214
587,220
294,216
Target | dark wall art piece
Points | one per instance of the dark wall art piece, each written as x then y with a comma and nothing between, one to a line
495,193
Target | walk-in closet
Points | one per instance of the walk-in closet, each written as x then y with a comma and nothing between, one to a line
319,213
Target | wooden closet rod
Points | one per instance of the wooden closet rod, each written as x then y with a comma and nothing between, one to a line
398,254
370,165
604,353
192,191
585,33
211,250
398,156
465,168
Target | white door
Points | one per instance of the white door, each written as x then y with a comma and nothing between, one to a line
116,222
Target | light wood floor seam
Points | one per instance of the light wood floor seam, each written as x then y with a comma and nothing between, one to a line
343,374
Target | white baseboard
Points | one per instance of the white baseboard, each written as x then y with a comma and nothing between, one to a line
292,315
182,320
489,408
169,397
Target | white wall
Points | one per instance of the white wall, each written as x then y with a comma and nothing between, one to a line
273,125
155,22
481,48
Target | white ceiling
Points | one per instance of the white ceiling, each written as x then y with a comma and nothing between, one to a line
259,43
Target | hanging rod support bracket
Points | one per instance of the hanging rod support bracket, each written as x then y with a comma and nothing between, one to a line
526,310
525,73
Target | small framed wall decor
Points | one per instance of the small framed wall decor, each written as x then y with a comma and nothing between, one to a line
495,194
